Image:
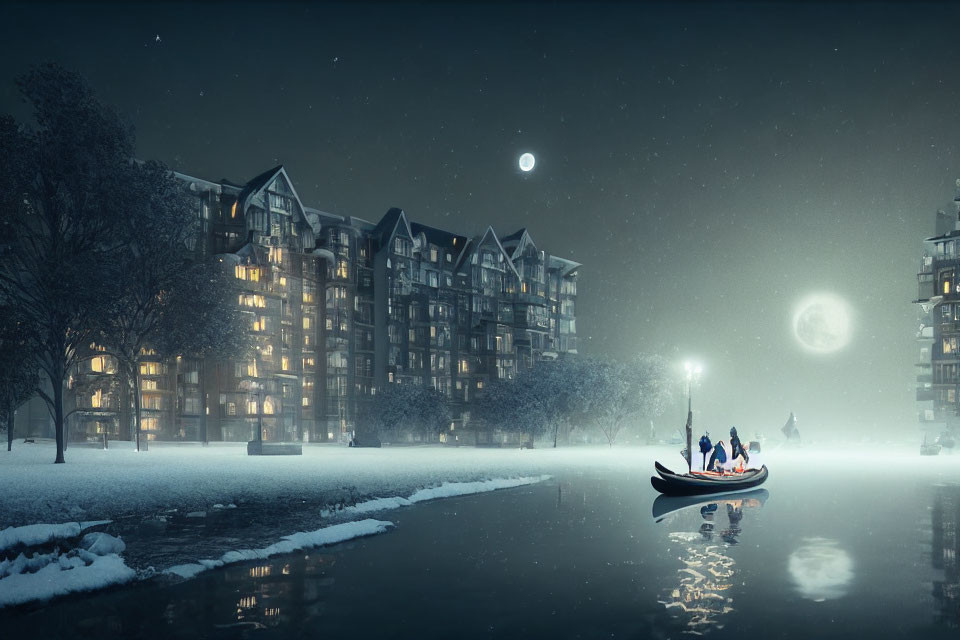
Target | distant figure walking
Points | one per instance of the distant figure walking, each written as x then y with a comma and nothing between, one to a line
790,428
705,446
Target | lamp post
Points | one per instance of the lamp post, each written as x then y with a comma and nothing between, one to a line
248,386
693,372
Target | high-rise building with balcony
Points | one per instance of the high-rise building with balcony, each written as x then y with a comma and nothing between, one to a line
938,330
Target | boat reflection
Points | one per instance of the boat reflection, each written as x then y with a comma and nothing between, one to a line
702,596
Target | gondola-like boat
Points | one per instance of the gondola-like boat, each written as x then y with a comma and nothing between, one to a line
702,482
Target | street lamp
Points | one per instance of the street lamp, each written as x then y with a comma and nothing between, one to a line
693,371
248,386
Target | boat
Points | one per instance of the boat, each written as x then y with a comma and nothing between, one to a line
665,505
702,482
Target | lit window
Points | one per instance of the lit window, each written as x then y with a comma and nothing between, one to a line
252,368
306,322
252,407
96,364
479,384
390,376
285,363
96,400
433,254
305,401
283,281
253,275
233,211
433,332
268,406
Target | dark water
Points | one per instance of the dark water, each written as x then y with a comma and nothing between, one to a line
855,553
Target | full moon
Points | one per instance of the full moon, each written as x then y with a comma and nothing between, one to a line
527,161
821,323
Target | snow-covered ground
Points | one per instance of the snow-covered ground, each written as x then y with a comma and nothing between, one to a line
97,484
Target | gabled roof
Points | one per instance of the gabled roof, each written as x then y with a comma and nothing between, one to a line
515,236
387,226
517,242
260,182
477,244
439,237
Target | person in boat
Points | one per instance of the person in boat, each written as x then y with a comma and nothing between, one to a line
736,448
705,446
718,458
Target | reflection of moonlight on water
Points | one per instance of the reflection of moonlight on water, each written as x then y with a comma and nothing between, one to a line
822,323
821,570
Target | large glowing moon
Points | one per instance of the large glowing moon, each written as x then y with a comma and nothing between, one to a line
527,161
822,324
820,570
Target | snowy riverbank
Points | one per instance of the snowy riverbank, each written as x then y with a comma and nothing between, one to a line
118,482
179,510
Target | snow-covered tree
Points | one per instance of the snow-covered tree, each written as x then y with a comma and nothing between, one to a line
613,394
510,406
405,409
61,189
18,369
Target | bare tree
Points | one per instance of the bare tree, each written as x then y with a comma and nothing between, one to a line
60,200
18,369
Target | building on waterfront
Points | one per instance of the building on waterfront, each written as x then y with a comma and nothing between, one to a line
338,308
938,329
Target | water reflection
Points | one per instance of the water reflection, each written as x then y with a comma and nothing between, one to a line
702,596
821,570
945,520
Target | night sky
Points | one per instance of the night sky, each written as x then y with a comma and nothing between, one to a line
710,165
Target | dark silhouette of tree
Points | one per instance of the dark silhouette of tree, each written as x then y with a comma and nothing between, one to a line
166,284
62,196
18,370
